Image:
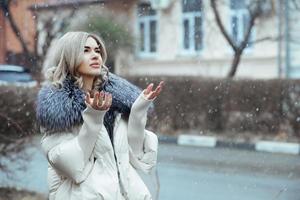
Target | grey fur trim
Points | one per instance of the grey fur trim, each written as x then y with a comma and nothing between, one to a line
59,109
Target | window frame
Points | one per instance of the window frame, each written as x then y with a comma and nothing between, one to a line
190,17
146,20
239,14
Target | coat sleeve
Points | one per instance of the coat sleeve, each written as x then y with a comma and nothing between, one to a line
73,157
143,143
147,159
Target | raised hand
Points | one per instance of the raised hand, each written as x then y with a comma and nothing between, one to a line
101,100
151,94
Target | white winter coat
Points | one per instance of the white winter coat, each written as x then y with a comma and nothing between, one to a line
101,177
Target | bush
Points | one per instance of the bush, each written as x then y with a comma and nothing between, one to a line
17,194
17,123
291,105
17,110
186,103
193,103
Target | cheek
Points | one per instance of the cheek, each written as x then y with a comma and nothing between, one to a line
85,62
83,65
85,59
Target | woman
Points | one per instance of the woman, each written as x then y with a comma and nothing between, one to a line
94,125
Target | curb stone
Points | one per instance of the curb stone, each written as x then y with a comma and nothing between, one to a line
209,141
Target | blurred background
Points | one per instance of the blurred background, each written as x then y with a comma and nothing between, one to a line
231,70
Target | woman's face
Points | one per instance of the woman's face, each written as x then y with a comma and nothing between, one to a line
92,60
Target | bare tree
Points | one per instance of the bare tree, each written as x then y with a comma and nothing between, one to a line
51,27
256,9
12,146
5,7
17,127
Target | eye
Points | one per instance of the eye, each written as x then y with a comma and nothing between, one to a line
86,50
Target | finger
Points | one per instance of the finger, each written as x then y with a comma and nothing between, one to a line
108,101
96,99
152,95
100,100
148,89
92,93
111,99
87,98
105,97
161,83
155,92
158,90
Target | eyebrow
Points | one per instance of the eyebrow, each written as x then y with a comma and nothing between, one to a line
90,47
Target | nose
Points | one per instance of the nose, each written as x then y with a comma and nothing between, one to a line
95,55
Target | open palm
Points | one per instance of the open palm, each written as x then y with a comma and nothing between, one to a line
151,94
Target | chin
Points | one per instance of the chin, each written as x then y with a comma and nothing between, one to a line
96,72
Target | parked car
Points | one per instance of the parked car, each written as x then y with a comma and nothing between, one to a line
16,75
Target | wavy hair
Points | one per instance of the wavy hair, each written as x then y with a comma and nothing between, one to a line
67,55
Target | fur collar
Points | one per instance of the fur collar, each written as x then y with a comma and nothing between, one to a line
59,109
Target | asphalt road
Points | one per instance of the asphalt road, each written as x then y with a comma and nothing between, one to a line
193,173
223,174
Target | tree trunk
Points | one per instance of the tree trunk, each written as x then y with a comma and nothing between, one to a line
15,28
237,48
235,63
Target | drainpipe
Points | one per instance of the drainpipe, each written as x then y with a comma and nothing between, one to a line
287,40
281,71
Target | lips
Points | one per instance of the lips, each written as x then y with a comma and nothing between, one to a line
95,65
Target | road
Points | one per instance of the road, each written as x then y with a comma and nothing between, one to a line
194,173
219,174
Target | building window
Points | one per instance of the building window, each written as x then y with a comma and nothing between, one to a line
192,25
147,27
240,19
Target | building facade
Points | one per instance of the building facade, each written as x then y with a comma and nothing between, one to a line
184,39
181,37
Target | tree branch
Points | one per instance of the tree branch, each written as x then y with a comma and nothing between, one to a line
268,38
253,16
5,6
52,34
221,26
17,125
296,4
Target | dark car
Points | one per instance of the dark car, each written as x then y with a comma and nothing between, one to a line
16,75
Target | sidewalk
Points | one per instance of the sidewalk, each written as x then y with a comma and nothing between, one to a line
210,141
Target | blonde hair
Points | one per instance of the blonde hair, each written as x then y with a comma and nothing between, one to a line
67,55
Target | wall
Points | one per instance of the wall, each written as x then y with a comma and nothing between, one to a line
214,60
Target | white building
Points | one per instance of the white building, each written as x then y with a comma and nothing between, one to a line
181,37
